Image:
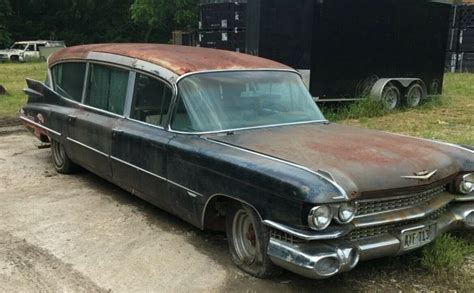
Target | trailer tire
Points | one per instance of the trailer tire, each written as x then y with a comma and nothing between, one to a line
414,95
391,96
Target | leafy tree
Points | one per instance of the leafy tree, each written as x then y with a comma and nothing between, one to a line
164,15
5,11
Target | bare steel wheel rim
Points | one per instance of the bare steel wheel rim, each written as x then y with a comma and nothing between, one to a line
390,97
59,155
244,237
414,96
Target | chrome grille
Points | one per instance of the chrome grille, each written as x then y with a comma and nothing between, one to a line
369,232
369,207
282,236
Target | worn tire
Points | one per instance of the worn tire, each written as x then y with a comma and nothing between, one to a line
259,265
391,96
413,96
60,159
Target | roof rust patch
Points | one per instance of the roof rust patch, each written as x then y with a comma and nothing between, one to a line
178,59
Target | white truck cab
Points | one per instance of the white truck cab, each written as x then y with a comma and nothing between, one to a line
30,50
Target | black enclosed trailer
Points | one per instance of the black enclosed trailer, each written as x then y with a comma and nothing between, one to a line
350,49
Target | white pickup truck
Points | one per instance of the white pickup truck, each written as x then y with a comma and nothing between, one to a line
30,50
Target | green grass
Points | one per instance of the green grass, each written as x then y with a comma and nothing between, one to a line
12,77
446,254
449,117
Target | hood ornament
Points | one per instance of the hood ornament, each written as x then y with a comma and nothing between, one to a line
422,175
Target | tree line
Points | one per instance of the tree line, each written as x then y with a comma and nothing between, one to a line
95,21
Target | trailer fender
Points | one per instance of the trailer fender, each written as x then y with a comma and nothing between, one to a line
401,83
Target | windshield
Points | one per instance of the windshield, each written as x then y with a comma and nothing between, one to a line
19,46
221,101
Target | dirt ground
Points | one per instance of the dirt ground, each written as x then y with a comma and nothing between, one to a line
81,233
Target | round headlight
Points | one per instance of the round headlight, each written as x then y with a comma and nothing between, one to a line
466,183
347,212
320,217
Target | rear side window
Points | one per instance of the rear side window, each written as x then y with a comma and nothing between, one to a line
107,88
68,79
151,100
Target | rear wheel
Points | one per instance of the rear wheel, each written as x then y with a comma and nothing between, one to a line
391,96
248,241
61,161
413,95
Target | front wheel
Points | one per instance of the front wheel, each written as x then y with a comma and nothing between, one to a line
248,241
61,161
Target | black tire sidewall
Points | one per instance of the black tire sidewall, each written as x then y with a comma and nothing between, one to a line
411,88
261,267
68,167
391,86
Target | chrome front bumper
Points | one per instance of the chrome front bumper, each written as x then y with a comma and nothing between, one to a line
322,259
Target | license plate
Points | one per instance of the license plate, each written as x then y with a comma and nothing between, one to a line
418,236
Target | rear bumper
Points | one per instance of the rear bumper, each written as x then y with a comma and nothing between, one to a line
322,259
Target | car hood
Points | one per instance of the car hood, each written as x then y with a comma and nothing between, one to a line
10,51
359,160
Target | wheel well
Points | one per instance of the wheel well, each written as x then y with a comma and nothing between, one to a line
215,212
14,57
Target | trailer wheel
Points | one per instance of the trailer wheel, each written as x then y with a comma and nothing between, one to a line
391,96
413,95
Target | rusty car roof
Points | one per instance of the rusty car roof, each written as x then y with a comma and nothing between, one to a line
178,59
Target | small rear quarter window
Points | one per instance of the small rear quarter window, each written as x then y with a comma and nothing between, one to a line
68,79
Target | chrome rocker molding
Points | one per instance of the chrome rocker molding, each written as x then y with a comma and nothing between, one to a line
323,259
40,125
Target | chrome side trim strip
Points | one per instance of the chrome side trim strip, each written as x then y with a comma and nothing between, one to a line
40,125
248,128
334,183
308,236
433,141
156,175
87,147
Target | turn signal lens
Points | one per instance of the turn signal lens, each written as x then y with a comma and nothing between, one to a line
320,217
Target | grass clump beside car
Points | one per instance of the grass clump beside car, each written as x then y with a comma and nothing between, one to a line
446,254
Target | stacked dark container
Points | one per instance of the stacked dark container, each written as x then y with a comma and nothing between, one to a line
460,48
222,24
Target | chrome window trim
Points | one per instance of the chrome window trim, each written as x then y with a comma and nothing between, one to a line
175,101
155,175
87,147
168,84
53,82
135,69
343,195
236,70
133,63
86,82
40,125
130,92
247,128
